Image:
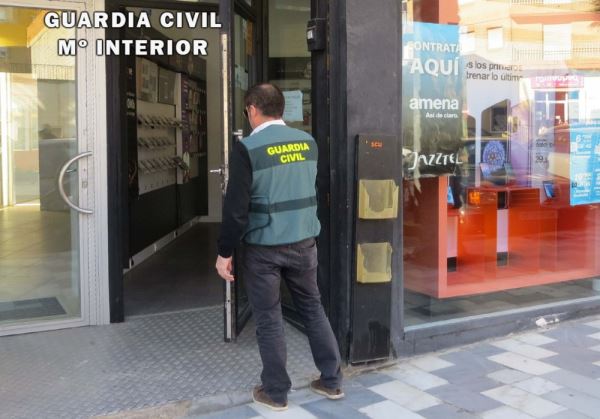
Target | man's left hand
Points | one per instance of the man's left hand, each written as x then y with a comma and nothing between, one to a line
224,268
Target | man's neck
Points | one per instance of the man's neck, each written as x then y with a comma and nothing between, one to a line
266,123
263,120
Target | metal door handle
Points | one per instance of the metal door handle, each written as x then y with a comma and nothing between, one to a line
238,134
216,171
61,187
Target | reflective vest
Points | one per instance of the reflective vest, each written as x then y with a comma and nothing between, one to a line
283,201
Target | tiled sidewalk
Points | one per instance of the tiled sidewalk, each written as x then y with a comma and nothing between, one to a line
551,373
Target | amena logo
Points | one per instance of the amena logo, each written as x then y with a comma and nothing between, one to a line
435,159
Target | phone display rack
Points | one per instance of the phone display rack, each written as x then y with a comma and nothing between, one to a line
157,146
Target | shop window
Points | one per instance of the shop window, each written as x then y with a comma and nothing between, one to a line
501,138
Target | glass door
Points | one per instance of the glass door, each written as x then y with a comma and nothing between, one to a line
244,73
43,172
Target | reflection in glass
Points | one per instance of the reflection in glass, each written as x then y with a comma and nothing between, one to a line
39,250
289,59
511,90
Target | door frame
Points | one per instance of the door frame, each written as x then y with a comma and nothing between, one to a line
236,315
91,131
117,164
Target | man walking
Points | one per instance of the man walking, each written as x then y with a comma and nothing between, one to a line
271,204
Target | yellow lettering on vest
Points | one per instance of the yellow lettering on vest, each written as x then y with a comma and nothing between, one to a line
290,158
288,148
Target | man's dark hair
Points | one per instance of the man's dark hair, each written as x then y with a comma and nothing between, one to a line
267,98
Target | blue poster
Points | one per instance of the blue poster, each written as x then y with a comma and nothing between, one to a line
432,98
585,165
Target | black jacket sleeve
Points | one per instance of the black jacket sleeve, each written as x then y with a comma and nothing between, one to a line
237,200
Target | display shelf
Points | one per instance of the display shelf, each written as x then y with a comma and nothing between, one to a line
157,159
544,243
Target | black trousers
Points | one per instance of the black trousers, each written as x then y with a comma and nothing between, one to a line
296,264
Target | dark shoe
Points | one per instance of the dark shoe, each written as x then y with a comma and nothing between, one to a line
331,393
260,397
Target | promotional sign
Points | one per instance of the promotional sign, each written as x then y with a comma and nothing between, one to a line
557,81
585,165
432,88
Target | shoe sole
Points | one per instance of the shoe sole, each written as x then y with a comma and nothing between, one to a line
274,408
327,395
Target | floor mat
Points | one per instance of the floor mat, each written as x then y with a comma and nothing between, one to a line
30,309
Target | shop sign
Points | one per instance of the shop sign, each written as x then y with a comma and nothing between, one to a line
585,165
432,99
557,81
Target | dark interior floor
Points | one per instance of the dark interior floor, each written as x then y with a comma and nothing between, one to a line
179,277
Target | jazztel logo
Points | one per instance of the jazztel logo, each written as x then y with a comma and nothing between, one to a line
435,159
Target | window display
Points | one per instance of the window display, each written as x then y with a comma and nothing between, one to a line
513,219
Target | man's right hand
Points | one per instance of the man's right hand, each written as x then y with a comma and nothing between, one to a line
225,267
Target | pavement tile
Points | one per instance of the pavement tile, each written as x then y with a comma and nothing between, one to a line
505,412
359,397
388,410
530,351
415,377
328,409
508,376
468,366
575,400
576,382
302,396
294,412
573,334
445,411
595,323
405,395
430,363
584,352
537,386
238,412
464,399
479,384
522,363
568,414
524,401
577,365
470,357
482,350
372,379
535,339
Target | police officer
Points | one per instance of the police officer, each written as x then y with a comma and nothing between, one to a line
271,204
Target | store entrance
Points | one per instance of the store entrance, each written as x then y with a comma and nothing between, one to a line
176,118
173,138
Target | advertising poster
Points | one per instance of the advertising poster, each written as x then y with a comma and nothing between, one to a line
585,165
432,90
